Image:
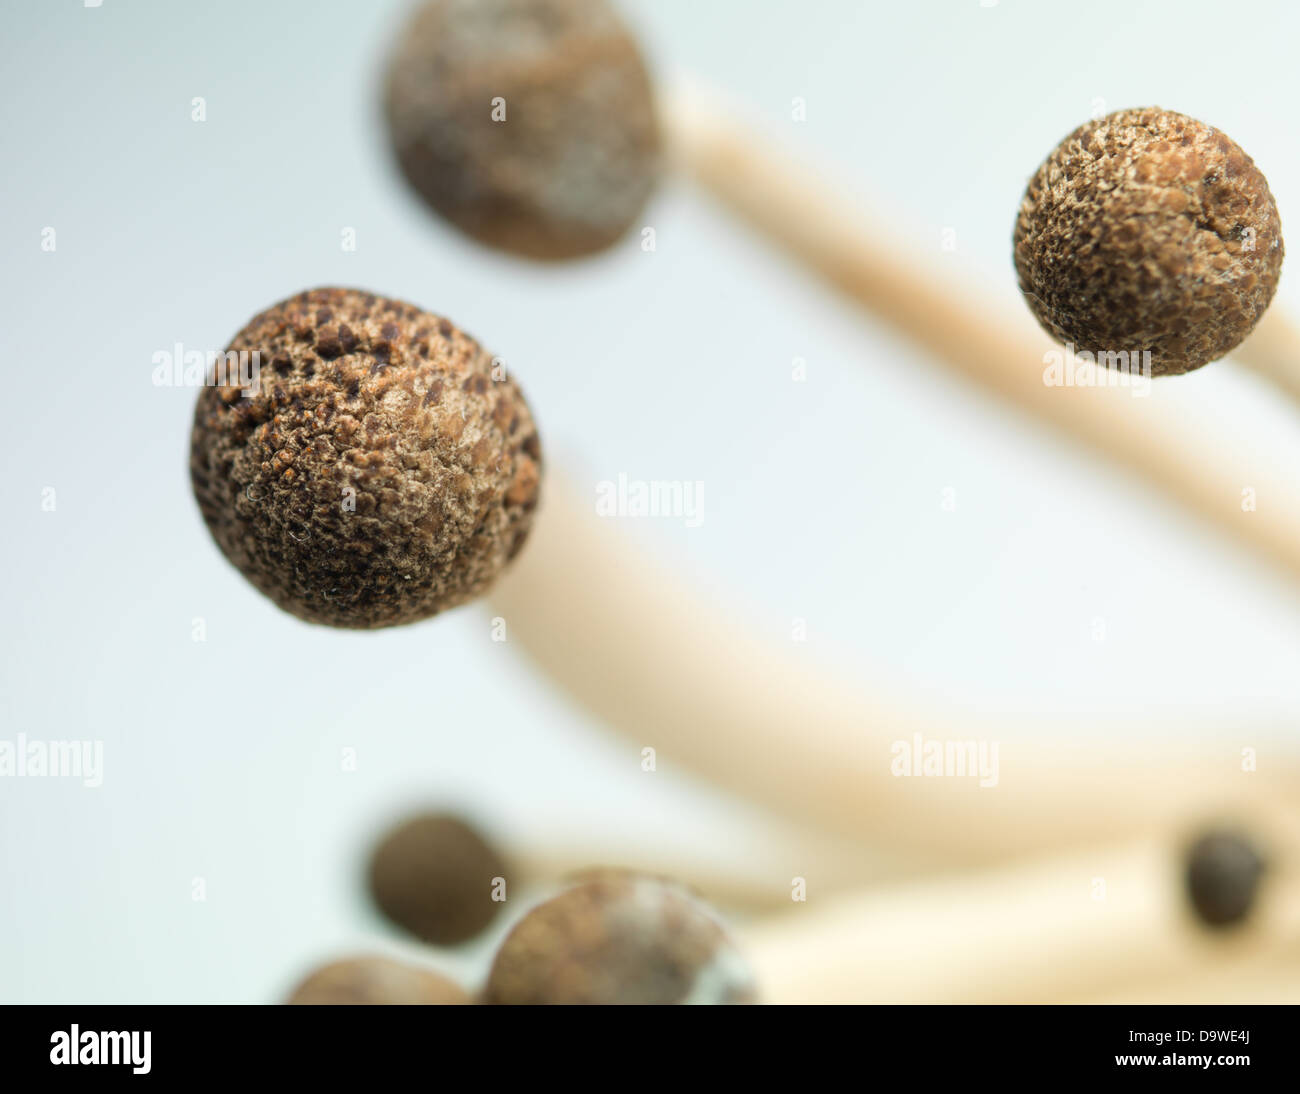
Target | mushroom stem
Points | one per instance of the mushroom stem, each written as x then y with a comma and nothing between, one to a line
795,207
1272,350
1109,920
671,669
1264,978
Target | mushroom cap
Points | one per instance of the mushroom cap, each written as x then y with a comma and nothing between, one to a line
375,981
382,469
1147,230
622,939
529,124
432,875
1223,874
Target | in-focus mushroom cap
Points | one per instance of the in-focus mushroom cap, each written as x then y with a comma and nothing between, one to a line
384,468
1149,230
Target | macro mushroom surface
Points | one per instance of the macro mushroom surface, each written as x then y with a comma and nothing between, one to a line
382,468
1147,231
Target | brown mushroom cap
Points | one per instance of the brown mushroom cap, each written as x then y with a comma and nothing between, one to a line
382,470
376,981
1149,230
575,157
1223,872
433,876
619,940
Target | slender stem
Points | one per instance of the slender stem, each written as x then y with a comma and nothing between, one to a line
996,348
669,667
1111,919
1273,351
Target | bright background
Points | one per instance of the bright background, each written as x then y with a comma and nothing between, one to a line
822,500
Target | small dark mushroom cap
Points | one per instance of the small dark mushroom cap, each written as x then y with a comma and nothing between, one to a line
382,471
433,876
376,981
577,155
623,939
1149,230
1223,873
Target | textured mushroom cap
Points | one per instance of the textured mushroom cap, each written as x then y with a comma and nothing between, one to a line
378,475
432,875
1223,875
577,156
619,940
376,981
1149,230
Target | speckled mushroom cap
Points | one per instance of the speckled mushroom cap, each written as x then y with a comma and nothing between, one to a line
621,939
384,469
433,876
577,155
376,981
1149,230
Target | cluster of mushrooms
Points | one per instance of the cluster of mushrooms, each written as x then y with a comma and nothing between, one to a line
384,467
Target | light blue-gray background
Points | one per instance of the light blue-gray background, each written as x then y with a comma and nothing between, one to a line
822,500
